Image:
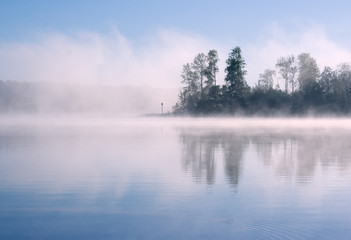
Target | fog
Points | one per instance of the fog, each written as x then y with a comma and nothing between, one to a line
199,120
58,99
109,74
223,173
110,59
85,150
92,58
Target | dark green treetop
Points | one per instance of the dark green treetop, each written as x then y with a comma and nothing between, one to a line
235,77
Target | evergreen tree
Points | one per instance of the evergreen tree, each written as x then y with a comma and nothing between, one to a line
235,79
212,67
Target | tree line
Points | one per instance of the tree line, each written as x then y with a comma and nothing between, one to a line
295,86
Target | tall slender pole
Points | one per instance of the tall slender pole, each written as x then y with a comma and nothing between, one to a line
161,108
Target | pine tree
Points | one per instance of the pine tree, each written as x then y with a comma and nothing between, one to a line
237,86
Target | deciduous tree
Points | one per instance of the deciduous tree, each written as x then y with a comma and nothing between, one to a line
287,68
308,71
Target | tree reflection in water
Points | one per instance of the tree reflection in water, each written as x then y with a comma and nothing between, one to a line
292,153
198,154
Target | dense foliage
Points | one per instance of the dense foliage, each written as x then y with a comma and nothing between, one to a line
305,91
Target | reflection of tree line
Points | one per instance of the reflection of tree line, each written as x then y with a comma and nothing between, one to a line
199,151
199,156
300,154
291,154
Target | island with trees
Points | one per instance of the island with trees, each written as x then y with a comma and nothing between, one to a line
305,89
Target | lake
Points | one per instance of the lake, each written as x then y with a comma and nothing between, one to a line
175,178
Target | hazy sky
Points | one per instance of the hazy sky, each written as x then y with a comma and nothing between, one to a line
147,42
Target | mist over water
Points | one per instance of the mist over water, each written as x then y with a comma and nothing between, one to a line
129,120
63,99
175,178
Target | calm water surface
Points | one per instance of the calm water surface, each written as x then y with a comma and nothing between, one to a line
175,179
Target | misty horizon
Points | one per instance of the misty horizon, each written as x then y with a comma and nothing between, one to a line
45,98
174,120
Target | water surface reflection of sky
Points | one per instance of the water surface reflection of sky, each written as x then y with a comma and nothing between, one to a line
156,179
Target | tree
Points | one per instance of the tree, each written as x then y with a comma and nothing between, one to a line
343,86
328,83
265,81
308,71
287,68
344,76
200,67
189,96
212,68
191,79
235,77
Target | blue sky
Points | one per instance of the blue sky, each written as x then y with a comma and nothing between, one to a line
33,33
220,20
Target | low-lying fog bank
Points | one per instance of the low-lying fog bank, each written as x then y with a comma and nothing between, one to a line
246,124
44,98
